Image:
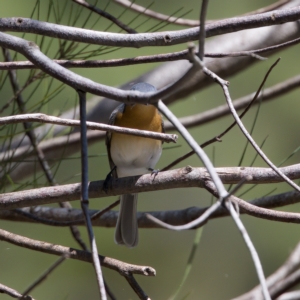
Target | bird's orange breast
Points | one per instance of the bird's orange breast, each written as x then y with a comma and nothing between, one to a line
139,116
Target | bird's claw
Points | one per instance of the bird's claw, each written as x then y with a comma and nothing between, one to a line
107,180
154,172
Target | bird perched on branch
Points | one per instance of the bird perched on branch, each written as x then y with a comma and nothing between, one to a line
133,155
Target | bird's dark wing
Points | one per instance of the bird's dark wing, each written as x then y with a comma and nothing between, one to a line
111,121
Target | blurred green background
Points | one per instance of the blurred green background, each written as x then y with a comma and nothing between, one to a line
223,267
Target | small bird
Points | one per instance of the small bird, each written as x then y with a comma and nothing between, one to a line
131,156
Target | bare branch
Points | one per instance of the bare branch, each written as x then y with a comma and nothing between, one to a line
111,263
42,118
65,217
27,126
44,276
13,293
149,39
135,286
185,177
194,145
202,29
85,194
155,15
193,224
186,22
172,56
252,250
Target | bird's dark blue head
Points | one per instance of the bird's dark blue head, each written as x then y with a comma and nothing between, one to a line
143,87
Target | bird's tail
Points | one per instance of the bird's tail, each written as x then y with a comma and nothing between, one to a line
127,227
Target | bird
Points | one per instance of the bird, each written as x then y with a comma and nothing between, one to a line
133,155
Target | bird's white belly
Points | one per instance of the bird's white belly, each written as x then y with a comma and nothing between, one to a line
134,155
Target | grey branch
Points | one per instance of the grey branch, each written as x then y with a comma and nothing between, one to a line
260,208
185,177
42,118
172,56
13,293
168,38
155,15
111,263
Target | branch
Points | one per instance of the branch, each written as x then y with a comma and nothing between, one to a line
111,263
44,276
185,22
13,293
65,217
168,38
252,250
42,118
172,56
84,199
179,178
155,15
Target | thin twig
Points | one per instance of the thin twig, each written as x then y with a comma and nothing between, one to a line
193,224
202,29
85,193
136,287
223,110
27,126
224,85
251,140
187,22
198,222
218,138
105,15
251,248
155,15
43,276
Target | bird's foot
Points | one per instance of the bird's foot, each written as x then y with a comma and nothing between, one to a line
154,172
107,179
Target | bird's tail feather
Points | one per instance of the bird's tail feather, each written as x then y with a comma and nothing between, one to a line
127,227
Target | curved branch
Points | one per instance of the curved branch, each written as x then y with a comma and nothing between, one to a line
172,56
167,38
